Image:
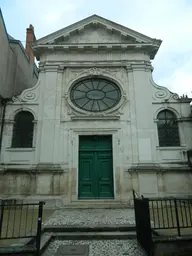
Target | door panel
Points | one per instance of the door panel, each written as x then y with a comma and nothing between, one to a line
105,174
86,185
95,167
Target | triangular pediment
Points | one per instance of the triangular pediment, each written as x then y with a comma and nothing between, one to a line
96,29
95,34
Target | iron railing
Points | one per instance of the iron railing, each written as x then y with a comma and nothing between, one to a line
155,214
19,221
170,213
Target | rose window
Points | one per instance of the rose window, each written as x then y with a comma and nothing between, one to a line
95,94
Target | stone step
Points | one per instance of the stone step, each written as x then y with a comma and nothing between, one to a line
94,235
17,250
97,204
103,228
45,240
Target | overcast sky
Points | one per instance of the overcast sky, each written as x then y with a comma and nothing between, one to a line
168,20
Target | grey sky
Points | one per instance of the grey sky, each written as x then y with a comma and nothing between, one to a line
169,20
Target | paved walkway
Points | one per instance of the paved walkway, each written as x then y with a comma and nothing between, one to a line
98,248
94,218
91,217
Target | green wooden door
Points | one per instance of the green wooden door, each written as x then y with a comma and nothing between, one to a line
95,167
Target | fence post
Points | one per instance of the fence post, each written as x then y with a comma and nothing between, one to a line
39,226
1,218
177,217
143,223
134,194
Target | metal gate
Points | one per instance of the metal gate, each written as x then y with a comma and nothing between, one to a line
143,226
21,221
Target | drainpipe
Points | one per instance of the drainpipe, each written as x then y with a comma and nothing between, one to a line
4,104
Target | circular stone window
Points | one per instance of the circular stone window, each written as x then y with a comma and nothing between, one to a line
95,94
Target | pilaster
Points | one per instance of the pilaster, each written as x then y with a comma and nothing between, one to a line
49,115
133,136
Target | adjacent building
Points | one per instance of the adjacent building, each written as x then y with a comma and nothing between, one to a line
17,68
95,126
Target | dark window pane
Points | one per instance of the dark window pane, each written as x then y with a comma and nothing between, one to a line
112,94
81,102
108,88
102,105
95,84
101,85
23,130
161,115
109,102
82,88
168,129
95,106
78,94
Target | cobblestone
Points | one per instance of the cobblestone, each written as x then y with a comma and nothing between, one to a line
100,247
95,218
91,217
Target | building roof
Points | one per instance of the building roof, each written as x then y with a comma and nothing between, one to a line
13,40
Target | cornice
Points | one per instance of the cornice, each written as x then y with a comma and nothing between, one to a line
150,48
59,66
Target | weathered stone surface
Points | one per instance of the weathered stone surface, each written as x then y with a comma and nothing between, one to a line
73,250
100,248
91,217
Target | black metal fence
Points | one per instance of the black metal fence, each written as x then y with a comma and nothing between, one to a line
166,214
19,221
170,213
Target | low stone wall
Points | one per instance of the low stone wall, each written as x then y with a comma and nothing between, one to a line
173,247
61,184
28,183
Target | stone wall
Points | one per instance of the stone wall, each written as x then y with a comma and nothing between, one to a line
62,185
173,247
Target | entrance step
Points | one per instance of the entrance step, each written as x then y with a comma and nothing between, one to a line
98,204
104,228
94,235
91,218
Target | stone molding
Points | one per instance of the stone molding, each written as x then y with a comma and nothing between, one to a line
117,75
162,94
30,95
156,168
31,169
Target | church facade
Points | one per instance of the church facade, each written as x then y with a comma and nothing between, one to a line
96,125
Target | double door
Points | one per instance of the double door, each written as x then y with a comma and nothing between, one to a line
95,167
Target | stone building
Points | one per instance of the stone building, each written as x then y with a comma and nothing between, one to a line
96,125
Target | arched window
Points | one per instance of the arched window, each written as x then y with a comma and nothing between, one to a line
168,129
23,130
